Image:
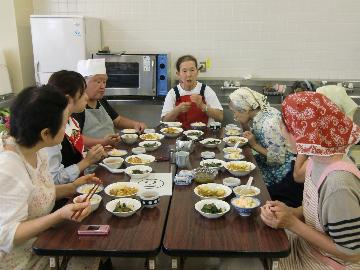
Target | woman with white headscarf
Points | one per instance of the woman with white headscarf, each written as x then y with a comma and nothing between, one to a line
273,158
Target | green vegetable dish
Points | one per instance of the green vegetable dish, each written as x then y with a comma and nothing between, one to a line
122,207
197,134
212,164
150,144
211,209
212,142
138,172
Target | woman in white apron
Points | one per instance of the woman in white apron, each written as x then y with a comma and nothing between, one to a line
28,194
325,231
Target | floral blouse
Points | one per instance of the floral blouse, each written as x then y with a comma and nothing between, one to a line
266,129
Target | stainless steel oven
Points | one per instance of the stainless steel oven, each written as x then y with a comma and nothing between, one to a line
136,74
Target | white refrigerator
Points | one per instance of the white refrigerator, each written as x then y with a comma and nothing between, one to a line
59,42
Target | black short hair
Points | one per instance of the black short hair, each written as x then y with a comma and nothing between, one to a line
185,58
34,109
69,82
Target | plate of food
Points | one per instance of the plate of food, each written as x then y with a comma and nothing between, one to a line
150,145
193,133
212,163
141,159
117,152
128,131
233,132
151,136
198,125
122,189
210,142
232,140
212,208
171,132
172,124
239,168
123,207
85,189
233,156
212,190
138,171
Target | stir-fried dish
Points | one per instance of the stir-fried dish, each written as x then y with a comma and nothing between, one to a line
211,208
123,191
207,191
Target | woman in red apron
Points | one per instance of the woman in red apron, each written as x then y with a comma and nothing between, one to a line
66,161
325,231
191,101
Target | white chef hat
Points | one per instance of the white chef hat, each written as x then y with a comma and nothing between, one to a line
91,67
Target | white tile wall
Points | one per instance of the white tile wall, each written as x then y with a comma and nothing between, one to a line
268,39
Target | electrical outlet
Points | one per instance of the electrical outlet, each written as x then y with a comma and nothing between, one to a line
202,67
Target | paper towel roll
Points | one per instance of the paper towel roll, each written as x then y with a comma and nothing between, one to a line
5,86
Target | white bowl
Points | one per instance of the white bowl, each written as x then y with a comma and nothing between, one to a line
124,189
212,163
233,156
239,168
213,188
232,140
84,189
138,150
198,125
113,162
129,138
151,137
117,152
171,132
231,181
132,203
128,131
172,124
94,201
246,192
141,159
240,205
150,145
193,133
228,150
146,170
233,132
149,198
210,142
218,203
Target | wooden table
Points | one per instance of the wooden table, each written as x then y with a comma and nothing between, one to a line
139,235
190,234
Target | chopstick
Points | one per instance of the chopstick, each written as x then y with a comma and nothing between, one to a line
92,191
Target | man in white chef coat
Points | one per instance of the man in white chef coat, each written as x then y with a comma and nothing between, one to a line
99,120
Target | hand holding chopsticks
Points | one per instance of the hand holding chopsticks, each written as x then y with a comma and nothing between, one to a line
92,191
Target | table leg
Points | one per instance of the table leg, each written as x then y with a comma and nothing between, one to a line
273,264
54,263
150,263
177,263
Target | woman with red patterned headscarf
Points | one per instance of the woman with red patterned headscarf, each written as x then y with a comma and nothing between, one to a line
325,230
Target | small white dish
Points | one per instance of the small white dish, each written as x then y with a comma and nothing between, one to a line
117,152
232,140
151,137
138,150
210,142
128,131
245,191
231,181
129,138
134,204
94,201
138,171
84,189
224,206
113,162
141,159
149,198
171,132
112,170
239,168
